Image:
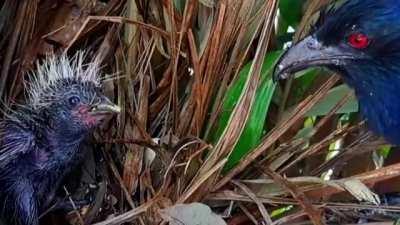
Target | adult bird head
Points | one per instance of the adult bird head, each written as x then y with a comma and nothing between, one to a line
68,94
361,40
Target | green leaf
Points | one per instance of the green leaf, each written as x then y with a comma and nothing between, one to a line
384,151
281,211
291,11
334,96
302,83
307,131
253,130
180,5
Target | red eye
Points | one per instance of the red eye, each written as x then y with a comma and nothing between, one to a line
358,40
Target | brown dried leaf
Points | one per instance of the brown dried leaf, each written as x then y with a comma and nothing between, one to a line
191,214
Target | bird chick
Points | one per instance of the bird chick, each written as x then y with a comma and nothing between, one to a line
360,39
41,141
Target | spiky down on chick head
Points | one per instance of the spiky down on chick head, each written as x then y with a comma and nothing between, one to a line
43,140
67,91
57,73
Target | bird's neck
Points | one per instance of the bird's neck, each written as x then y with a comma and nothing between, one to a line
64,132
65,142
64,152
57,145
378,93
60,144
64,138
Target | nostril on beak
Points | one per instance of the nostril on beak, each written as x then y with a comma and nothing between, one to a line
313,44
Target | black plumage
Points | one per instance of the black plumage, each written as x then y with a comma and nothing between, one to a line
361,40
41,140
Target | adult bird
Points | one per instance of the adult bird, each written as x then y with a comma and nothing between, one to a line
41,141
361,40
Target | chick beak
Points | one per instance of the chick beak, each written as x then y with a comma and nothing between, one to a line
309,53
105,107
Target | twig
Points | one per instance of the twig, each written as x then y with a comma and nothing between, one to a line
76,211
278,131
313,213
261,207
130,215
114,19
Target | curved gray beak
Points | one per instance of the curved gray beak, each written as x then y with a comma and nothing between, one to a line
105,107
309,53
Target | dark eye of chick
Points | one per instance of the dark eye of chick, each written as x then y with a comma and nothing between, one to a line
74,100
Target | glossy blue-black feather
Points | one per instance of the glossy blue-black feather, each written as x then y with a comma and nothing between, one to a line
376,77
